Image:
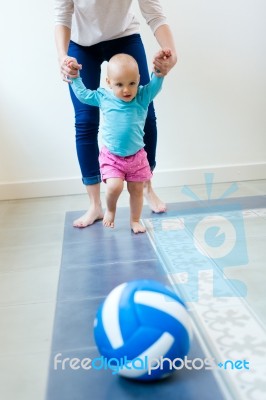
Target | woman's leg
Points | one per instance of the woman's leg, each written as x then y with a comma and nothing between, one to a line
87,125
114,187
133,45
95,211
135,190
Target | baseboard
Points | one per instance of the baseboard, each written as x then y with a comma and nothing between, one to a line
162,178
41,188
224,173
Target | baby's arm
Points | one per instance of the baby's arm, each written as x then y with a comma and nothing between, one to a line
149,91
85,95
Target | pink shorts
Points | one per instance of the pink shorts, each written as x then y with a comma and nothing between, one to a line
133,168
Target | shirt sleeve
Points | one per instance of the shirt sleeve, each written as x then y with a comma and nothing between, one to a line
153,13
86,96
63,10
149,91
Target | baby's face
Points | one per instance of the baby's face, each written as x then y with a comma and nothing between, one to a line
124,83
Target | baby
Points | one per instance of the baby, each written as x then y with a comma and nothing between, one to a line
122,157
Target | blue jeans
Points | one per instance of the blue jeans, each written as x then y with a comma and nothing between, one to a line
87,117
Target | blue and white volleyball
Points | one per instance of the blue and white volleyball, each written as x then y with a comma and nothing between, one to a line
143,330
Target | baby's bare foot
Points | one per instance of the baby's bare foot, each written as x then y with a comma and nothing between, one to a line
137,227
91,216
108,219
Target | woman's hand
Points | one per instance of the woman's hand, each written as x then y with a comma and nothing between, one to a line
164,61
69,68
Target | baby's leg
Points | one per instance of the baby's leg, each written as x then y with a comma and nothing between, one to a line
113,191
136,203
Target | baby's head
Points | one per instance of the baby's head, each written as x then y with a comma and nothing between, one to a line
123,76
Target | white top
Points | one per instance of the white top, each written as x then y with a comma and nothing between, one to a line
94,21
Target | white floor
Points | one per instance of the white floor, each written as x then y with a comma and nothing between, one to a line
31,234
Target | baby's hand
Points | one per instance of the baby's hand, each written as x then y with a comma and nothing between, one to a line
69,68
163,62
73,64
163,54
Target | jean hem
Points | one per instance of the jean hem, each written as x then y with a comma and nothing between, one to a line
92,180
152,167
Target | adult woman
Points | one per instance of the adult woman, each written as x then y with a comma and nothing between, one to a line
91,32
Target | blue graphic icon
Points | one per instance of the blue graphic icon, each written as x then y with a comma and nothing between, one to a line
209,236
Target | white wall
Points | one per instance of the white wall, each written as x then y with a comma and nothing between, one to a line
211,113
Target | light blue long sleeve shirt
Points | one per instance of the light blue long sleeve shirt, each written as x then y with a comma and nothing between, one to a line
122,131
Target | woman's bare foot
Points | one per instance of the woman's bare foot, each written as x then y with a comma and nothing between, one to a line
137,227
108,219
155,204
91,216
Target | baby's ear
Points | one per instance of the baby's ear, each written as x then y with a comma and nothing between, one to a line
108,81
